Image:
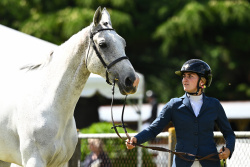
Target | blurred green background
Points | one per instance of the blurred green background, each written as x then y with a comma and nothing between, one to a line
161,35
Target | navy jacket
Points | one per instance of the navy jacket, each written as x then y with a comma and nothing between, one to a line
194,134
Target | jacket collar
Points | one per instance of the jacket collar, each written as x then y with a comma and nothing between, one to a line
186,102
204,105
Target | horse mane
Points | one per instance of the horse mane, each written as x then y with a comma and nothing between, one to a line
29,67
36,65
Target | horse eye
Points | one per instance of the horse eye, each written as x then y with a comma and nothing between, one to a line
103,45
105,23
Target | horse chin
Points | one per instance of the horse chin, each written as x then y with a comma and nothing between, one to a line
127,91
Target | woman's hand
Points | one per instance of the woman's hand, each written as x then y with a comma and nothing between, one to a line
129,143
225,154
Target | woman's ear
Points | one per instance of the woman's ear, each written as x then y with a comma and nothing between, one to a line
203,82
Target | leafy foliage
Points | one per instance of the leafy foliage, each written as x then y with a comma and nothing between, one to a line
102,127
161,35
213,32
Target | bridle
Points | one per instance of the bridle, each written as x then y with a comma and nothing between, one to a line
179,154
92,34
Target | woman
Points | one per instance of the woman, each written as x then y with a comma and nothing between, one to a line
97,157
193,116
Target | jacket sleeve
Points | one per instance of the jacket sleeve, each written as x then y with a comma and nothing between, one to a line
157,126
225,129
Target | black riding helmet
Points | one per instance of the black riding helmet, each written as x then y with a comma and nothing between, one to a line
201,68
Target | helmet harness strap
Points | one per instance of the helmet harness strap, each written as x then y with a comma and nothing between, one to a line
198,86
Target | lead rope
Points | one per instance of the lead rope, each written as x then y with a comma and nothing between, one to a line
179,154
112,101
224,161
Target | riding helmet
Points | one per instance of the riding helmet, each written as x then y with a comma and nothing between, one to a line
199,67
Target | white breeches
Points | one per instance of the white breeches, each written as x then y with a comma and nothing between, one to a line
195,164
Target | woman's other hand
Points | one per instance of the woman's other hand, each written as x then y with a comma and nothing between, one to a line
129,143
224,154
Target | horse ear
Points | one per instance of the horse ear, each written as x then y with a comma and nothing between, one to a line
97,16
104,11
106,16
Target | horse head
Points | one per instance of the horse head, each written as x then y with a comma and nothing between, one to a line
106,54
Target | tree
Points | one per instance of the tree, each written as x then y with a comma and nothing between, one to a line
161,35
216,32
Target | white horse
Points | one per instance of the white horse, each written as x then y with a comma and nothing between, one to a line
37,127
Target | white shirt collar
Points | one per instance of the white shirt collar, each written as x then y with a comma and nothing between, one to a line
195,98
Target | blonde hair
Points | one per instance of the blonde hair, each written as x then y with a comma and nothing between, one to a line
96,142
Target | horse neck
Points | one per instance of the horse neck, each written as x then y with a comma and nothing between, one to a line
68,65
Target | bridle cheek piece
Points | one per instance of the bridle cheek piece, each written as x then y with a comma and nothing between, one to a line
182,155
92,34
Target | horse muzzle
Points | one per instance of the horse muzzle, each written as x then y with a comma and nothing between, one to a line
130,84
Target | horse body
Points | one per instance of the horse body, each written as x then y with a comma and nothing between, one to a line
37,126
40,110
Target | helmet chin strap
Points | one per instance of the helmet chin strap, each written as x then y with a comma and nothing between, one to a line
198,87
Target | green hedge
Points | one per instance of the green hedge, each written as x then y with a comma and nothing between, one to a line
115,148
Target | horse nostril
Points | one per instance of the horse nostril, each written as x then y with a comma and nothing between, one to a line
128,82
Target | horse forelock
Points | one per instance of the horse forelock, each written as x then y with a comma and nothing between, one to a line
45,62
